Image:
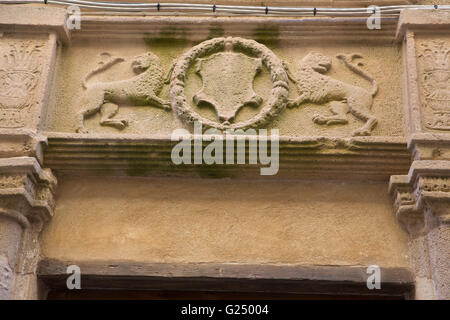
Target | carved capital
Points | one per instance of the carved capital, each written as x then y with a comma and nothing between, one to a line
409,215
26,204
26,187
422,198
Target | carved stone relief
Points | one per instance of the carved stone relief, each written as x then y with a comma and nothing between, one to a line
12,181
19,76
313,86
435,60
436,184
230,83
227,76
143,89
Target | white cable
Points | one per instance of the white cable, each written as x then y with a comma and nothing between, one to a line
212,9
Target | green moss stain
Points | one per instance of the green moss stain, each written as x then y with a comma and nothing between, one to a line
214,171
165,42
216,31
269,36
137,170
168,45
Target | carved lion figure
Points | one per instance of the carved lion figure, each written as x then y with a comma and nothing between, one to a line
315,87
142,89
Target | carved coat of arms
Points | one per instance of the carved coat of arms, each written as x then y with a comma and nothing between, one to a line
436,85
228,82
19,74
228,67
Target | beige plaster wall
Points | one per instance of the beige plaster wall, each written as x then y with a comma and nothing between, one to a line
224,221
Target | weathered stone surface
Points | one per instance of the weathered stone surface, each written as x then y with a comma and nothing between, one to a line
29,38
6,278
386,107
439,242
98,105
10,236
422,198
26,202
34,19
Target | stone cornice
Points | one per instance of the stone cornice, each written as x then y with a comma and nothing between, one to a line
202,27
34,19
423,21
26,187
312,157
21,143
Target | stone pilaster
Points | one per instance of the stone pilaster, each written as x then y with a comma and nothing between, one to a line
29,38
26,203
422,198
422,205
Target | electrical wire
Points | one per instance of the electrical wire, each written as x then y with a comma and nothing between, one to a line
228,9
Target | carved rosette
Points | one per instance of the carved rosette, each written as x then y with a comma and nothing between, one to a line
434,60
278,94
19,76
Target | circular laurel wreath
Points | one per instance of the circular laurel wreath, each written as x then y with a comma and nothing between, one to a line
278,94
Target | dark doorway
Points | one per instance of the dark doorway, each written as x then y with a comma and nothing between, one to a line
202,295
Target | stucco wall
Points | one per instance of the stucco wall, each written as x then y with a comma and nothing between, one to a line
224,221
